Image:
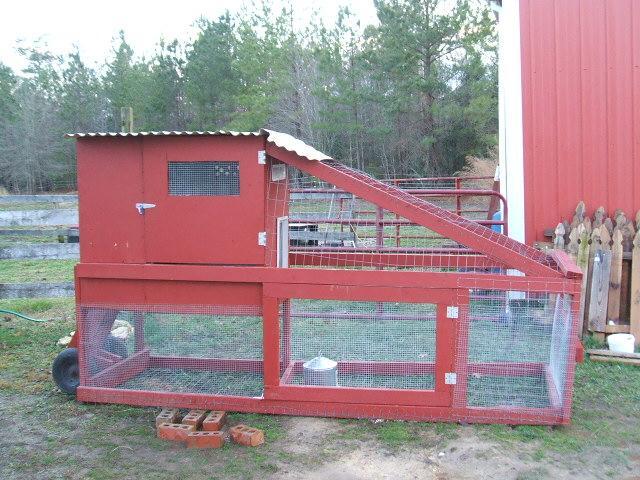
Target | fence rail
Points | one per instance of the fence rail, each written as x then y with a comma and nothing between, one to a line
607,250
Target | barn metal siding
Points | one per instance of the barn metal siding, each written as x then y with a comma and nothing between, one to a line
581,108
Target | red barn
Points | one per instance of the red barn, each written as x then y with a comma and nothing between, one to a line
570,115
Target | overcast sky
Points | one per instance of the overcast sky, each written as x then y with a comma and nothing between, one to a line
92,25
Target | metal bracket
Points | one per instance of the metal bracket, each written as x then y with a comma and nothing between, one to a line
141,207
262,157
262,238
452,311
450,378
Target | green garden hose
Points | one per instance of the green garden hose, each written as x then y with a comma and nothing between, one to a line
21,315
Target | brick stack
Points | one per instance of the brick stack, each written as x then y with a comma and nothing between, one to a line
202,429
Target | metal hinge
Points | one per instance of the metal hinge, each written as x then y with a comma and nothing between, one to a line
262,238
452,312
450,378
141,207
262,157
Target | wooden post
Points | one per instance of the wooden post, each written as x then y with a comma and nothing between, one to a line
583,262
600,282
615,279
578,218
558,237
634,315
126,119
598,217
573,246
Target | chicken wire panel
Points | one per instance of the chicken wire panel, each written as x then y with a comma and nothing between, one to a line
332,228
516,349
491,237
561,343
195,349
375,344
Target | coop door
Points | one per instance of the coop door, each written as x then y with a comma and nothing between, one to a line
372,345
206,207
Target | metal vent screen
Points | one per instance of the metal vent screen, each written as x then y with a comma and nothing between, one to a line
204,178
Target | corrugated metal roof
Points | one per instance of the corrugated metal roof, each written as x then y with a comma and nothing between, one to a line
279,139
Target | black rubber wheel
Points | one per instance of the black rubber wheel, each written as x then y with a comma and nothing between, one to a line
116,346
65,370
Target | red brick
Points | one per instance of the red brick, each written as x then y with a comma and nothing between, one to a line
205,440
195,418
168,415
248,436
214,421
176,432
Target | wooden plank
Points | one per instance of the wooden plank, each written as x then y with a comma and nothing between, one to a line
616,329
598,217
625,290
574,241
609,353
583,263
558,237
634,309
615,279
600,283
603,358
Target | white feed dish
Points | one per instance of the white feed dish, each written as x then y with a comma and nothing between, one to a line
621,342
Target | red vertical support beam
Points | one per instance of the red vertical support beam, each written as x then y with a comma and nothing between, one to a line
445,348
379,244
461,349
286,333
379,227
80,318
458,185
270,343
567,396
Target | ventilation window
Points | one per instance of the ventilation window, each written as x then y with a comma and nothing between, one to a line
204,178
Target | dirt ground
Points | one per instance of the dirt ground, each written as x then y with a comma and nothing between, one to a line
51,437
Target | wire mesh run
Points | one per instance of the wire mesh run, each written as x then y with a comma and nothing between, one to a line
333,228
207,349
517,350
204,178
375,344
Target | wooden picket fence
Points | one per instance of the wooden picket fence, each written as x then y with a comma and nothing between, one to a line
607,250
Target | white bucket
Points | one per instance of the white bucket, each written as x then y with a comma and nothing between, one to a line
621,342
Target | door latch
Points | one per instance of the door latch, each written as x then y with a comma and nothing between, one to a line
141,207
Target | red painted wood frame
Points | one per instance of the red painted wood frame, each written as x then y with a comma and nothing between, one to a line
445,346
189,284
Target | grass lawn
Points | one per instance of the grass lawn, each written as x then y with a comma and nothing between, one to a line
32,271
49,435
